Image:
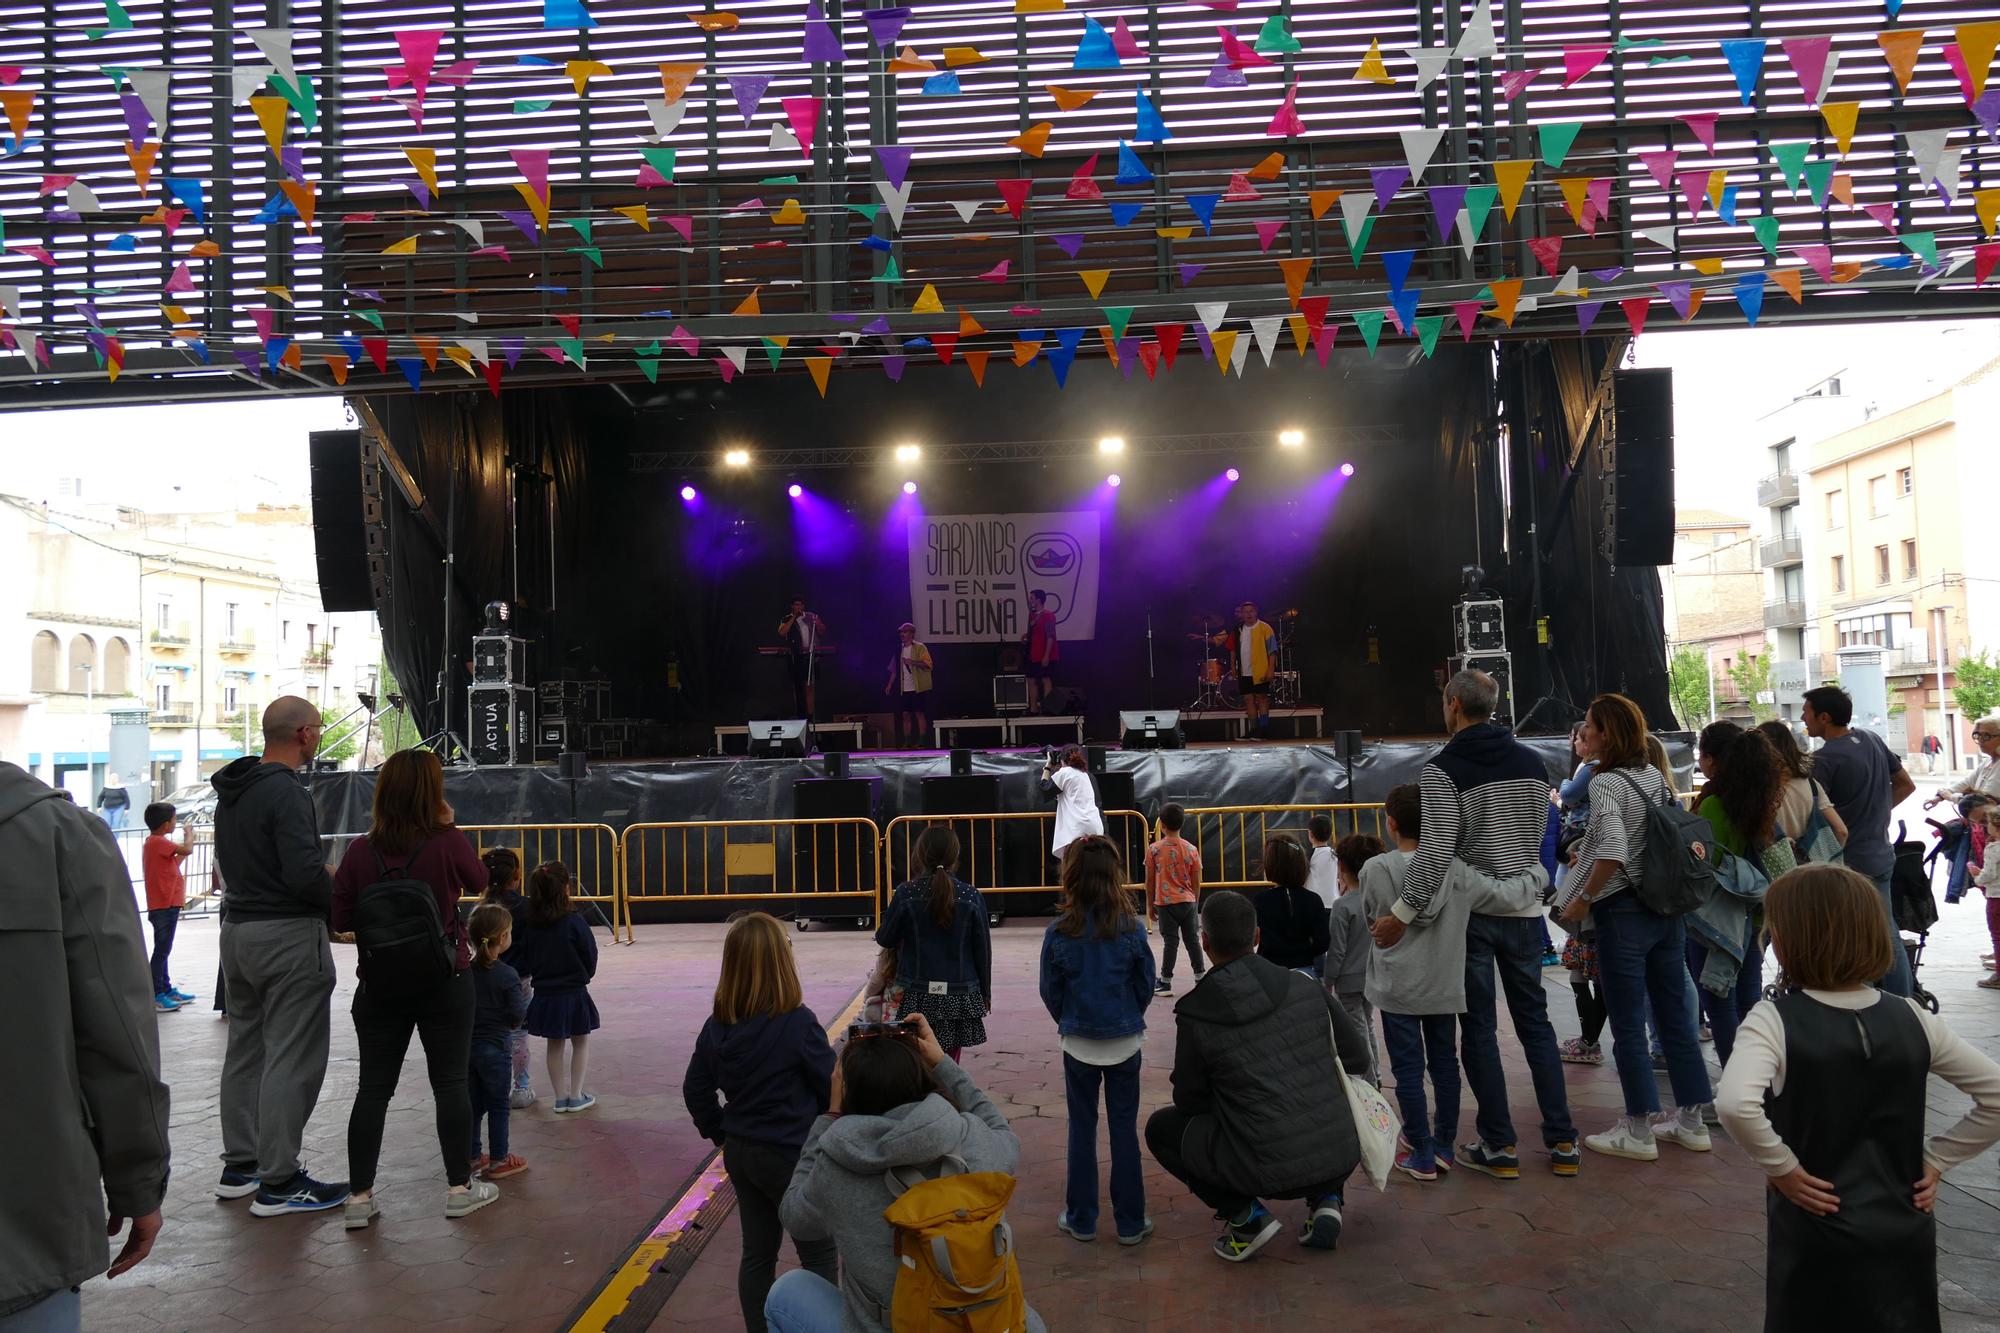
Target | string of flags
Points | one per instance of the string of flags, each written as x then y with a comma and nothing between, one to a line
1700,222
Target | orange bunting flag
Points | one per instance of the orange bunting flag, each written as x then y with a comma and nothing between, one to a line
1977,42
927,302
1321,200
304,196
427,347
749,305
207,249
968,327
425,161
1110,342
142,160
1301,331
1037,6
1033,140
1506,295
1372,69
1025,351
638,214
1791,280
1094,280
581,72
1986,206
819,367
1573,188
538,204
1842,188
675,76
271,116
1174,233
720,20
1847,272
337,363
1901,47
1512,177
909,62
1269,169
975,361
17,103
1224,343
1695,297
1840,119
1718,182
1709,267
1295,271
955,56
1070,99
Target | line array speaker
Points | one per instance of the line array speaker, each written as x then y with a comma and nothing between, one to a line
1639,484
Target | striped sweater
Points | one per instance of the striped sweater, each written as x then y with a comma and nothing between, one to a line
1486,803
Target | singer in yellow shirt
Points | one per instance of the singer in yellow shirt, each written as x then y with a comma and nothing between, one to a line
1256,649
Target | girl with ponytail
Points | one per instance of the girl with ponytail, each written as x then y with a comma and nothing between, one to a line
936,948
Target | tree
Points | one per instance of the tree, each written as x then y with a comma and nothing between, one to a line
1687,687
1977,692
338,741
1753,680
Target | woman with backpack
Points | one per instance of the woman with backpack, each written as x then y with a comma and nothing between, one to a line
1740,804
935,943
1641,955
1805,808
905,1126
397,890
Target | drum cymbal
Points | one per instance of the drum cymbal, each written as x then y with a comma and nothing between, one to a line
1206,620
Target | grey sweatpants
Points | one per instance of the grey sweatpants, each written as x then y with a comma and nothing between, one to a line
280,977
1362,1012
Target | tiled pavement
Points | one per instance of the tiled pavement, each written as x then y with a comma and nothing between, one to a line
1676,1244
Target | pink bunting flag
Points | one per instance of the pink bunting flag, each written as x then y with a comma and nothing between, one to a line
496,251
1882,213
1694,187
1596,203
726,368
1267,231
1579,61
1286,122
1955,58
1702,125
1082,185
1808,57
180,281
1323,339
1236,53
1122,42
1548,250
533,163
1819,257
1984,257
1468,315
685,226
803,112
998,273
260,318
1660,164
684,340
1514,81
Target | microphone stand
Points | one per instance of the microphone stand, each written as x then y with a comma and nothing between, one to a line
1151,701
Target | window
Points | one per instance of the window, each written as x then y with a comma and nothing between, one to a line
1793,583
1840,573
1905,483
229,621
163,697
163,616
229,699
1878,496
312,694
82,664
312,636
1881,564
1835,516
1781,457
284,631
45,664
1788,521
332,635
117,667
1909,557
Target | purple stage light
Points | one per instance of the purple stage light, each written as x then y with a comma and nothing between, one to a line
688,494
1114,480
795,490
1347,469
909,488
1233,475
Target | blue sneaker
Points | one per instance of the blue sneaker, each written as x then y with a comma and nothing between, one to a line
1241,1238
563,1105
181,995
1500,1163
1322,1228
1416,1165
300,1194
583,1103
237,1184
164,1003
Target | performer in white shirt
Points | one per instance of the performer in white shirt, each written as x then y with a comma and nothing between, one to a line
1076,802
804,634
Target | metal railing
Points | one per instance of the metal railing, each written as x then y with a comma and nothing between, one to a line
1780,488
820,861
593,853
1784,615
1777,551
1003,854
1231,838
197,870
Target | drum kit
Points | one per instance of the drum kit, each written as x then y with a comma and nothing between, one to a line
1216,675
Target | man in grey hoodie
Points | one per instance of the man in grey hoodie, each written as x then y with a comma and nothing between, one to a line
85,1115
893,1117
277,964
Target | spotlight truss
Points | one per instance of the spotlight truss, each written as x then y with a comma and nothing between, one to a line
1345,438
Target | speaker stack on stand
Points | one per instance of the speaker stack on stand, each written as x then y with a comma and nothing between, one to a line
1479,637
500,707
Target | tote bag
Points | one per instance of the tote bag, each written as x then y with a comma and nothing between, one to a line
1375,1123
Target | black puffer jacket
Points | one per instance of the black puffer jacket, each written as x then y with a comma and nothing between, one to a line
1254,1064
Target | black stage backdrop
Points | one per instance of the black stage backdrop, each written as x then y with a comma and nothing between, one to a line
534,496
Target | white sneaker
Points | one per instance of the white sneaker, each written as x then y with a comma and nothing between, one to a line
1673,1129
1623,1140
477,1194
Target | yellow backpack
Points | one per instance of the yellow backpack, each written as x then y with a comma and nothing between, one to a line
954,1252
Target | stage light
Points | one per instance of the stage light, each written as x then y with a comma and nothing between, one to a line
1291,439
1114,480
1347,469
909,488
908,453
736,458
1111,444
795,490
688,494
1233,475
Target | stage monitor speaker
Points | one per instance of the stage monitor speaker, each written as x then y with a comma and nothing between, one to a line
785,738
1642,490
1160,730
340,539
1348,745
573,764
832,858
1115,791
961,762
836,764
1097,757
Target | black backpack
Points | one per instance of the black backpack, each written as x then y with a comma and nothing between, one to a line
1676,869
399,932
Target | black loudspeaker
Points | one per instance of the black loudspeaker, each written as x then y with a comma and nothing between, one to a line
500,724
573,764
961,763
340,540
1642,474
1097,757
783,738
978,795
836,764
1156,730
832,858
1115,791
1348,745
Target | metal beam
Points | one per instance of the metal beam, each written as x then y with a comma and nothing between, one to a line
1015,451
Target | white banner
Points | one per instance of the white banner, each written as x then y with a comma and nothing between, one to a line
970,575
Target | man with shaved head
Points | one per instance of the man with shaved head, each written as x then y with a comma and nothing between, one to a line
279,968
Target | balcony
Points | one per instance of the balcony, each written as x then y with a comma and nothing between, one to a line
1784,615
170,636
315,658
240,644
173,715
1780,488
228,717
1780,551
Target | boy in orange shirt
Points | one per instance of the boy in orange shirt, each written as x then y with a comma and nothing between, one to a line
166,894
1173,890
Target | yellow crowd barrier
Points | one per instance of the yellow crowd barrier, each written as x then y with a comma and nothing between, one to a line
755,860
592,853
1002,854
1231,838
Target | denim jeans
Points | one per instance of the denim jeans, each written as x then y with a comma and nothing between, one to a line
802,1301
1897,981
1654,1050
1642,957
489,1081
1414,1041
1726,1012
1512,947
1178,925
1121,1111
166,920
60,1311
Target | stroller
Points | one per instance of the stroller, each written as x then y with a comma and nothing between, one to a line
1914,908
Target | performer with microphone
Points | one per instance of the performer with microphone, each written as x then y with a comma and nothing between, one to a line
910,669
803,633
